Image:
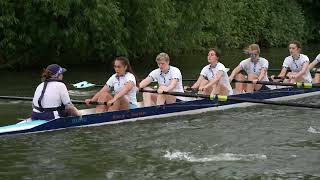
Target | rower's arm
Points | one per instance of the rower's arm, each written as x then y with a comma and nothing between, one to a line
216,79
283,72
262,74
72,110
172,84
144,83
197,84
124,90
235,72
313,64
305,68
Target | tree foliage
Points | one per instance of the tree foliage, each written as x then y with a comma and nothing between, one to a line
39,31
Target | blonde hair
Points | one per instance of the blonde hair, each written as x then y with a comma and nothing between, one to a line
253,47
163,56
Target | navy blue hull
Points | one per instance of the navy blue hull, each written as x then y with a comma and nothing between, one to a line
184,106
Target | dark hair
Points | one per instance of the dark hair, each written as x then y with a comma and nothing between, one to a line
218,53
125,62
297,43
46,74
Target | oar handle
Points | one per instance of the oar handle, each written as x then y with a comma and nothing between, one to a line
185,94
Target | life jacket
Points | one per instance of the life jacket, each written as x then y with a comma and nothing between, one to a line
47,113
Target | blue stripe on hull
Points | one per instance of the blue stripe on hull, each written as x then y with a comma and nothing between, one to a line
21,126
109,117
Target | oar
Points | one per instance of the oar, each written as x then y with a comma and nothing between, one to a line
31,98
312,71
86,84
298,84
238,99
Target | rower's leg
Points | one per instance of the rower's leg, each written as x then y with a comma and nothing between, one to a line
202,84
251,87
223,90
120,104
215,89
301,79
149,99
104,97
316,78
240,87
166,99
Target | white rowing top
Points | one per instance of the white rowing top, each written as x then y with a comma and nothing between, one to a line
297,65
318,58
118,82
251,67
55,95
210,73
164,78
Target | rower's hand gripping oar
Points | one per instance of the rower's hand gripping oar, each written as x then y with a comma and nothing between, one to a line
237,99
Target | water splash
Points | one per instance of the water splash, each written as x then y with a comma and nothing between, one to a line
186,156
313,130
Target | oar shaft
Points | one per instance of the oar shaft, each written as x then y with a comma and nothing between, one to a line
314,70
261,101
91,102
16,98
237,99
177,93
31,98
299,85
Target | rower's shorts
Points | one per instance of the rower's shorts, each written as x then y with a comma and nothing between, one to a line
132,106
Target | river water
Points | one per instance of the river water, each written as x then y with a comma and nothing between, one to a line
259,142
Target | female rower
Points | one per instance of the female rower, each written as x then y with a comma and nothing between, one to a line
317,71
256,68
213,78
51,99
123,82
169,79
298,64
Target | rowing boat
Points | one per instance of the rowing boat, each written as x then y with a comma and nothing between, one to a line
195,106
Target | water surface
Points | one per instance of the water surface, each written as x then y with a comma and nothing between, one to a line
259,142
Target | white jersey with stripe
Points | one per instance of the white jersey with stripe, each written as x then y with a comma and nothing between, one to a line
118,82
297,65
55,95
165,78
251,67
210,73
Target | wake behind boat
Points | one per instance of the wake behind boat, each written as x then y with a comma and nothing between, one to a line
90,118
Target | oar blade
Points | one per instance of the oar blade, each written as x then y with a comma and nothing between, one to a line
83,84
